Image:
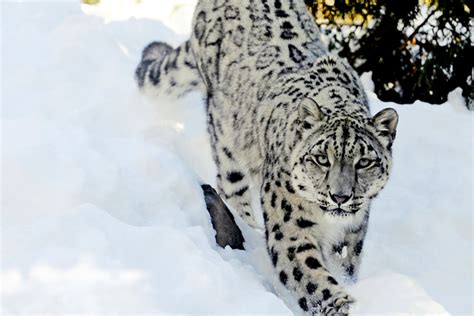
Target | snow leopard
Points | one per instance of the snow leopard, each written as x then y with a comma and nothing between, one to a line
288,121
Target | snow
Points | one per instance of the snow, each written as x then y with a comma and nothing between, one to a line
101,206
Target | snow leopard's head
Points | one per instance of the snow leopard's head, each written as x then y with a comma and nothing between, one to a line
341,162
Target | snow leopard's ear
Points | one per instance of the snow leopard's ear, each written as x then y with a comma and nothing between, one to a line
386,124
309,113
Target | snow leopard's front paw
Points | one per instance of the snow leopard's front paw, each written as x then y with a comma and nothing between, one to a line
338,305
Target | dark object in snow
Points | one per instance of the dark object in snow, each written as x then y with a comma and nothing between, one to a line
227,231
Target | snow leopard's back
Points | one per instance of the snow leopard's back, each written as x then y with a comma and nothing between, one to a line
243,49
263,36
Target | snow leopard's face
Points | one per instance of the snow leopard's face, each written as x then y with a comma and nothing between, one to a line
341,164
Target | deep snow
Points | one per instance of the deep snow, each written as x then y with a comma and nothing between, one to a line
101,206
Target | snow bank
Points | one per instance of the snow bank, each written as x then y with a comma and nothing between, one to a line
102,210
176,14
392,293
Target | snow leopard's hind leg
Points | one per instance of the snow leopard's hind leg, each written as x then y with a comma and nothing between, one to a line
234,182
164,70
234,185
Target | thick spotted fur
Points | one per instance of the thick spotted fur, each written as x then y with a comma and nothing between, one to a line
291,122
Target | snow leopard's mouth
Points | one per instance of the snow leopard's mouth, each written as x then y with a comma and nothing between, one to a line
338,211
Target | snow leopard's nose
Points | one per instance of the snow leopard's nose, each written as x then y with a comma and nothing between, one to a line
339,198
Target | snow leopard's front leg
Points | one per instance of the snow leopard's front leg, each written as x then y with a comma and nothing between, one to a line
164,70
297,255
347,253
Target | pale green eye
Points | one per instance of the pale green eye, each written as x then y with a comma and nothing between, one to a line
363,163
322,160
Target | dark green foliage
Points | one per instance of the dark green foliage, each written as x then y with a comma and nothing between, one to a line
416,51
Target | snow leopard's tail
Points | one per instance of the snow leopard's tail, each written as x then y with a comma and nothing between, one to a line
164,70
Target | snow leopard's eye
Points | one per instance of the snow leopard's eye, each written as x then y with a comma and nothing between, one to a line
364,163
322,160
